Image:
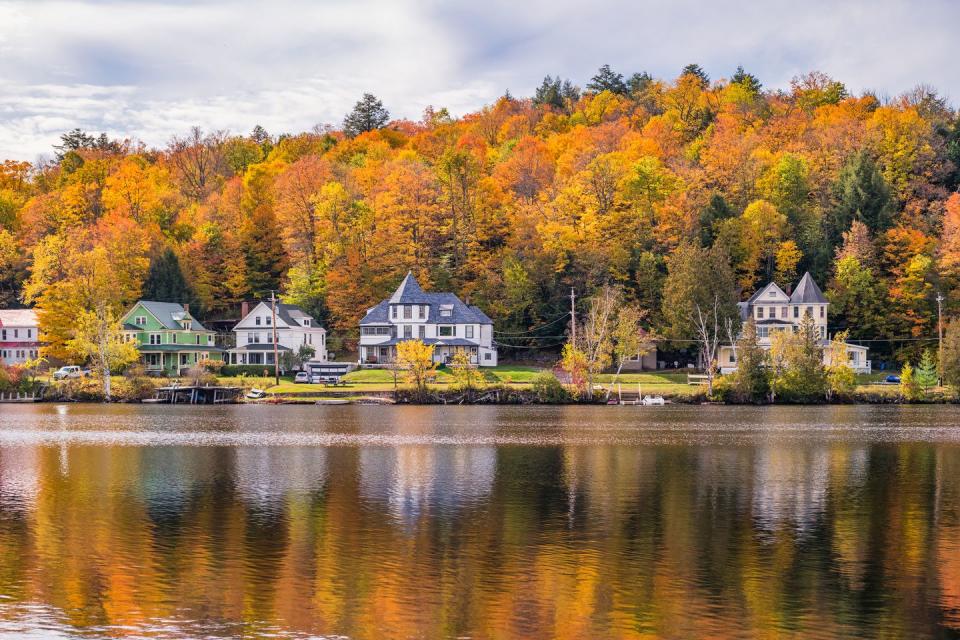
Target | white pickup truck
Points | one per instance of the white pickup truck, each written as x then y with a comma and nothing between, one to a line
70,372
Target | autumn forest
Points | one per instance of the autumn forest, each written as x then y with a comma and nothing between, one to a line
671,190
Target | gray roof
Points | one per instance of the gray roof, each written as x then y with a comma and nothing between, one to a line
170,314
807,292
409,292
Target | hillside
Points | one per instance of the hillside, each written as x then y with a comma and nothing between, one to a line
660,187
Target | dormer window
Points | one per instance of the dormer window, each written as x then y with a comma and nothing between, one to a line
446,310
306,322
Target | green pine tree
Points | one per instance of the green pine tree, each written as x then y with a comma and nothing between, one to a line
368,114
165,281
926,371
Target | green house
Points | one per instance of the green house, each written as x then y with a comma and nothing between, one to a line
170,340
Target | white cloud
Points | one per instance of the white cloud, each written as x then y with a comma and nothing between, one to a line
152,69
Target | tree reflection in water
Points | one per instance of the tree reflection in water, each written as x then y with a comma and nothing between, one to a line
686,522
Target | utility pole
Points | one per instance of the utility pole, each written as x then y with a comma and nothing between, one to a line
573,318
939,339
276,357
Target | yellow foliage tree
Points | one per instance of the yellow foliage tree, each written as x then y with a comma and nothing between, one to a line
416,358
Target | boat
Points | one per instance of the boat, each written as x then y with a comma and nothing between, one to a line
255,394
651,401
333,401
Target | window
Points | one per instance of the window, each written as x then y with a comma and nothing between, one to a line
256,321
198,338
822,310
153,359
4,334
393,312
407,331
16,333
486,356
154,338
375,331
446,310
30,333
253,337
268,320
307,322
469,331
796,312
446,331
733,356
407,312
783,312
810,311
763,332
773,294
140,320
422,312
760,313
423,331
173,338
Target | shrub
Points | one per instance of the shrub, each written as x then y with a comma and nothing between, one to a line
548,388
909,387
136,383
257,370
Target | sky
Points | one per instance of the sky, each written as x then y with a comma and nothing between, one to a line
148,70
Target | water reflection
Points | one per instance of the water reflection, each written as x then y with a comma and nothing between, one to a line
680,523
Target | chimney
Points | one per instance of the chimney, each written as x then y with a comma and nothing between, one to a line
186,307
244,309
789,289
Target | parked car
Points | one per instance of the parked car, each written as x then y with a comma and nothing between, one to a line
302,377
70,372
892,379
316,379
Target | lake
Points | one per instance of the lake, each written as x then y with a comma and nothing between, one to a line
479,522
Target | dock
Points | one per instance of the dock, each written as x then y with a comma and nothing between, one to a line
197,395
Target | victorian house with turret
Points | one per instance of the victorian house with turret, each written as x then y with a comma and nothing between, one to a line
441,320
772,310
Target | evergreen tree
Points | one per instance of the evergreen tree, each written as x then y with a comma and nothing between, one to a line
638,83
716,211
607,80
368,114
861,194
698,72
747,80
695,276
556,93
751,381
165,281
266,261
926,371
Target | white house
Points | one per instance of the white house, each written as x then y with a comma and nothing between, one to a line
254,334
438,319
774,310
19,339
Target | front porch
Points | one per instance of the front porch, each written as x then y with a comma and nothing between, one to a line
384,355
174,362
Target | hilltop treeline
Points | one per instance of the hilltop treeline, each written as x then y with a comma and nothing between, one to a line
669,189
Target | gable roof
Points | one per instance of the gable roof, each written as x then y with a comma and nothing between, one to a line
756,296
18,318
409,292
290,314
807,292
169,314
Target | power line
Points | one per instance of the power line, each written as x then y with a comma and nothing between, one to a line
523,333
